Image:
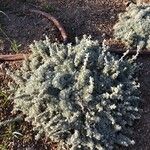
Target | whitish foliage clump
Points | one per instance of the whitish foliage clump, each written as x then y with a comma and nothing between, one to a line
80,96
133,27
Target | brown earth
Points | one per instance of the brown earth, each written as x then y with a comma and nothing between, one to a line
94,17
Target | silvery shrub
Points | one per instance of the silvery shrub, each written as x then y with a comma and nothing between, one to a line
81,96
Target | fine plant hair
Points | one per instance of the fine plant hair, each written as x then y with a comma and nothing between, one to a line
133,27
1,12
81,95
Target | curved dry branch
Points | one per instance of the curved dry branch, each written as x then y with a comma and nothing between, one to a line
17,57
55,22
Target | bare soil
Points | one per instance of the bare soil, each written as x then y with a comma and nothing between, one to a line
92,17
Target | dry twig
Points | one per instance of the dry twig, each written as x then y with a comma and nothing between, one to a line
119,48
17,57
55,21
13,57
